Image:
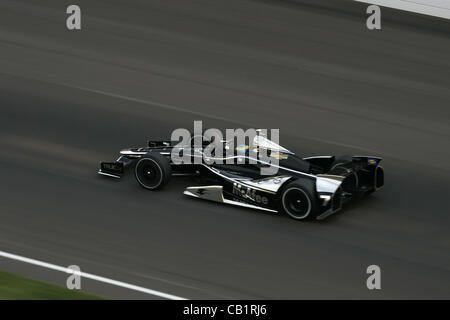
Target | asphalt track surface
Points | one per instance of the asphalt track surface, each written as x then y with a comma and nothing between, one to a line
139,69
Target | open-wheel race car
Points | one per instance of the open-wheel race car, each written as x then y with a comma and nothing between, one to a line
303,188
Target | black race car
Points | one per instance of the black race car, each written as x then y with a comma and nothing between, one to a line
303,188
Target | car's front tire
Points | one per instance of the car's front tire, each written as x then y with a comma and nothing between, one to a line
153,171
298,200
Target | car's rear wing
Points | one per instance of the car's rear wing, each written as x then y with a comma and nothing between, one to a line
367,161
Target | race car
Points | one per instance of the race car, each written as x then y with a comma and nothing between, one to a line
303,188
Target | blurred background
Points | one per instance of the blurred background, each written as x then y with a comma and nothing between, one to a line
139,69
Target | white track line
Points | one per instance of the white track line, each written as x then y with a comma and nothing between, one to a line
90,276
436,8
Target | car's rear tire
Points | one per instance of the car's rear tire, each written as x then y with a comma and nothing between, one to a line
298,200
153,171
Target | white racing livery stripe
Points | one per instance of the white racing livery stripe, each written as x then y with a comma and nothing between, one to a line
90,276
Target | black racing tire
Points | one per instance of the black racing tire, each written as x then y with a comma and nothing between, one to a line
378,180
153,171
298,200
